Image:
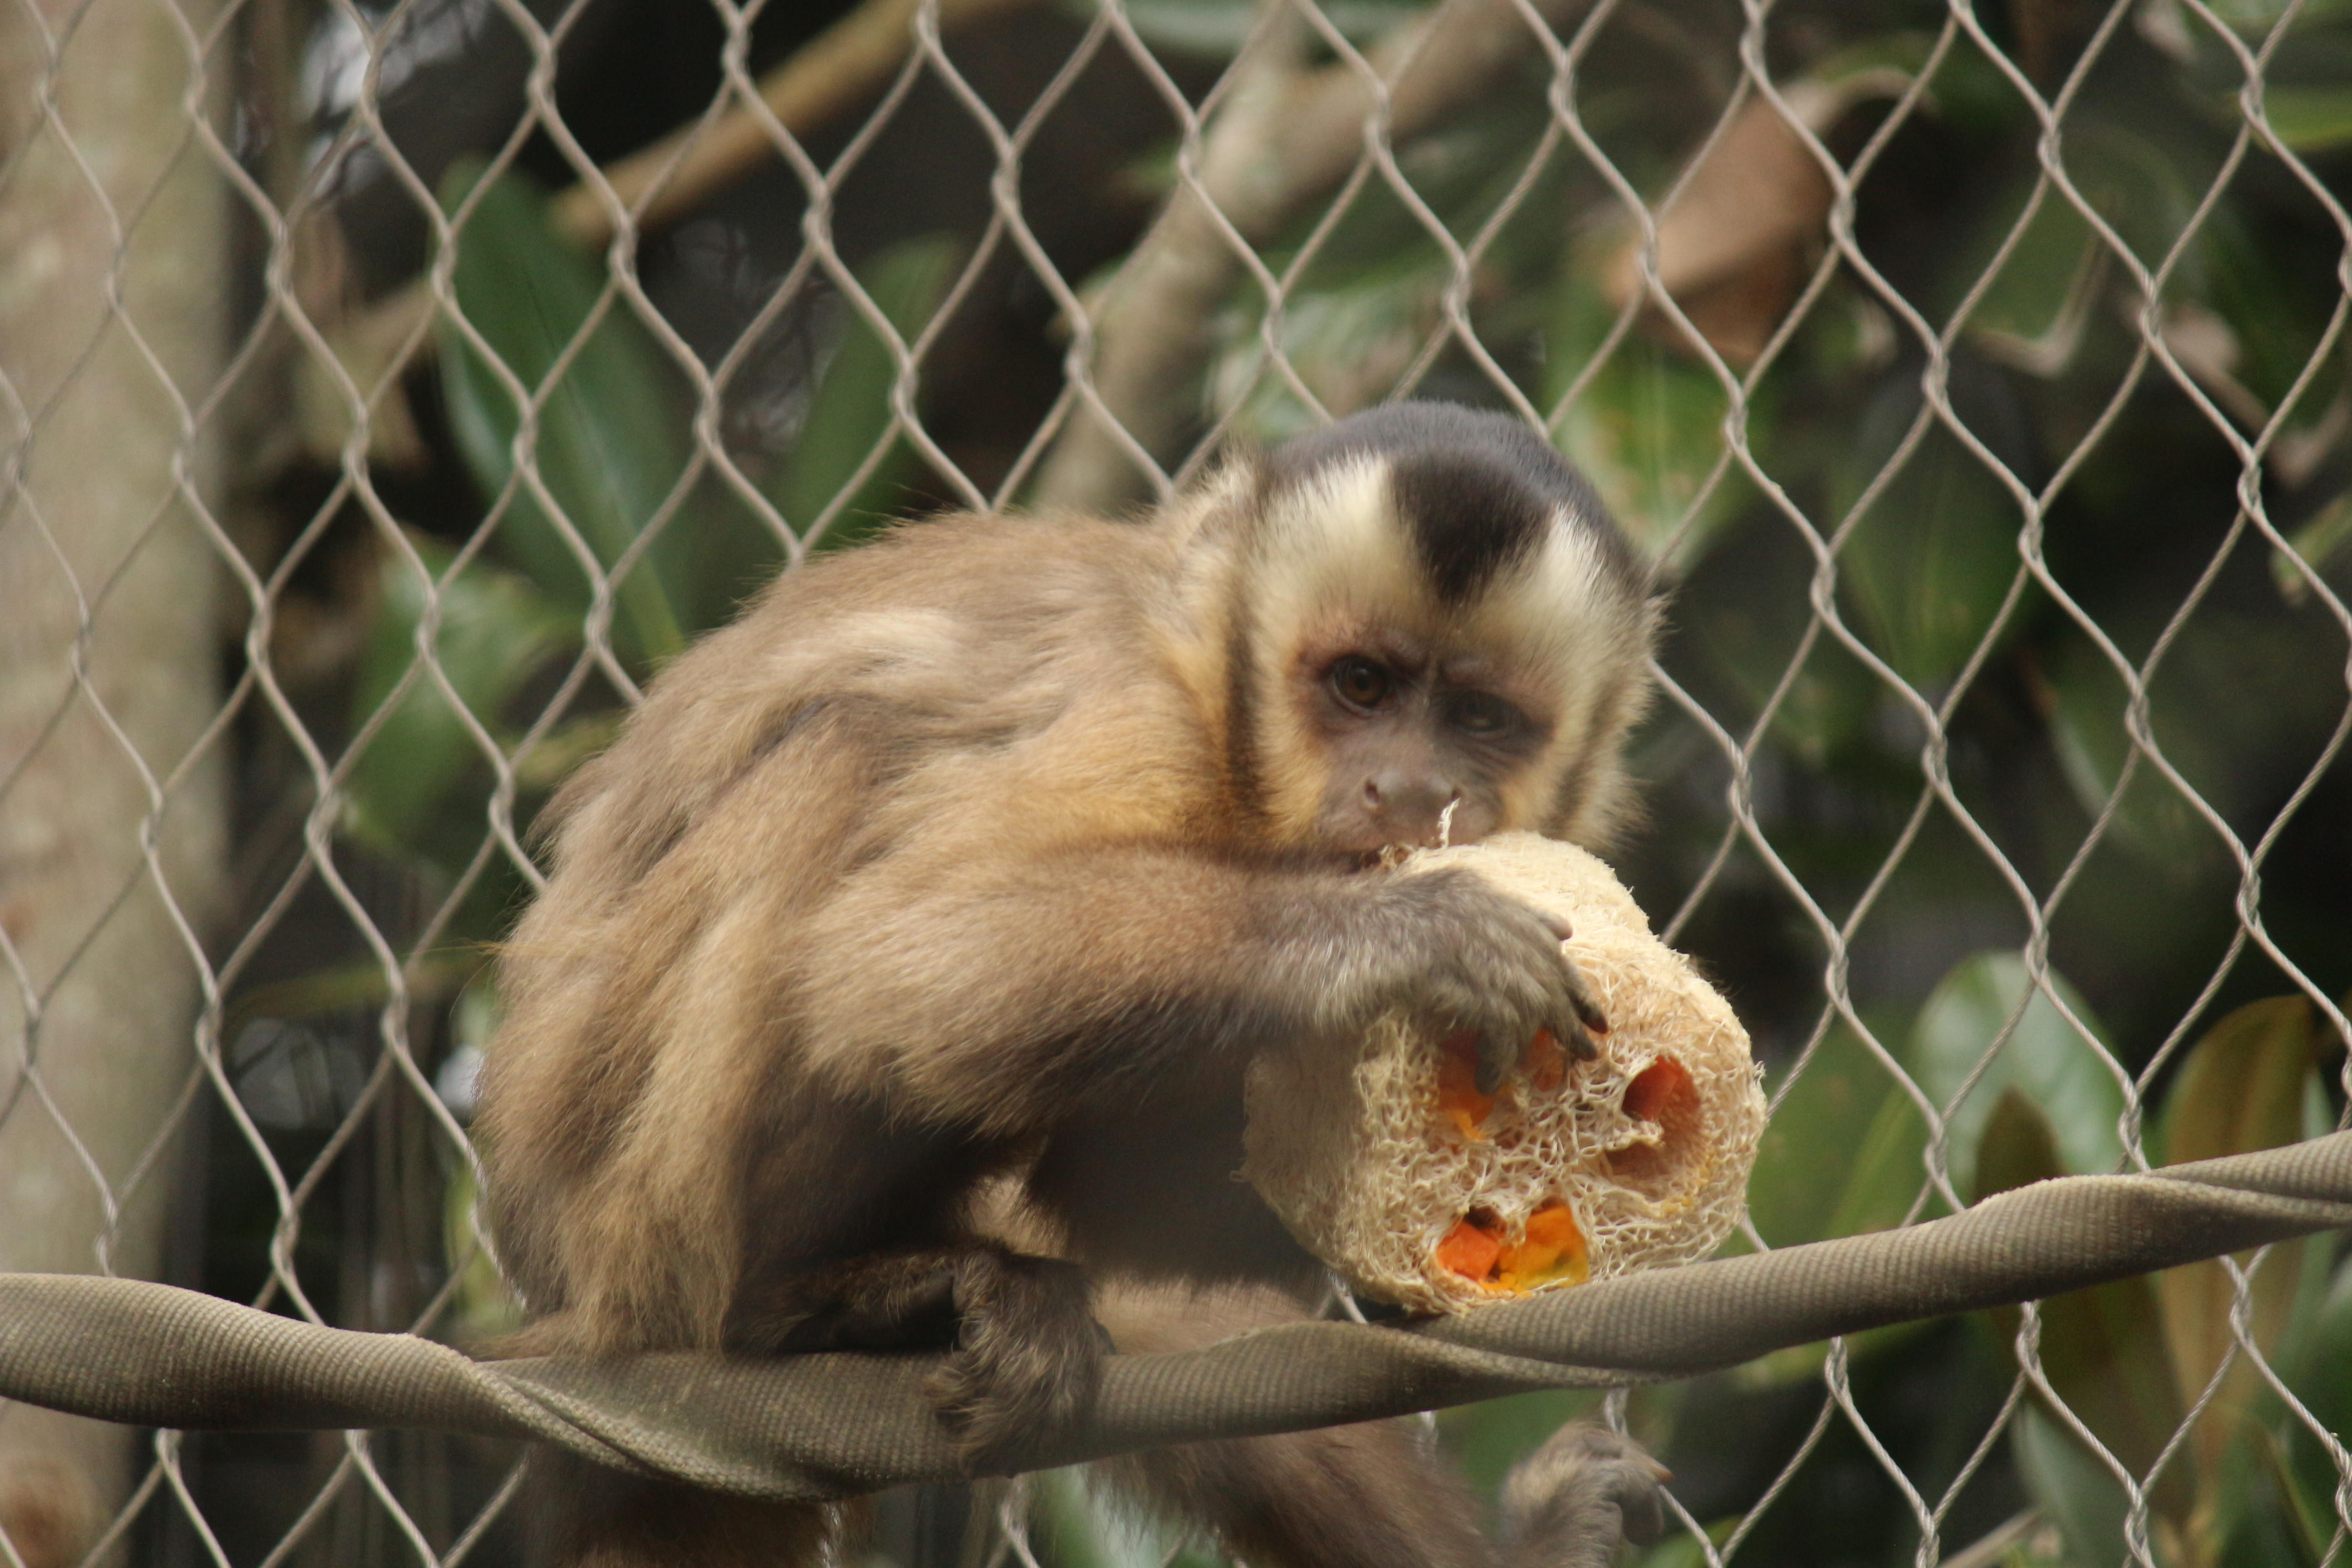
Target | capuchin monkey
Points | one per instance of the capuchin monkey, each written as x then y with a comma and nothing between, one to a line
982,861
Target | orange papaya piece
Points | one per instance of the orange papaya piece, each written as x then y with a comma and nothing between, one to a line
1662,1092
1545,1063
1471,1248
1552,1251
1458,1098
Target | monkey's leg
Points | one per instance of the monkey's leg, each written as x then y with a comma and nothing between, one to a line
1367,1496
1028,1352
1580,1495
1348,1497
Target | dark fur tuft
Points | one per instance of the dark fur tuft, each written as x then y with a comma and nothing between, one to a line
1475,489
1470,520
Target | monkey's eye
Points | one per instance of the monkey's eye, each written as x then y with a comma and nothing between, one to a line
1359,683
1480,713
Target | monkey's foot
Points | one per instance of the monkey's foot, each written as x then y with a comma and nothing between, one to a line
1028,1356
1576,1501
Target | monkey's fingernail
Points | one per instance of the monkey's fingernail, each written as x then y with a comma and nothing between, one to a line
1579,1043
1595,1018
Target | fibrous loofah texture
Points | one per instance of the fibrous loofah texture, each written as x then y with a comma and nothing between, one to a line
1393,1169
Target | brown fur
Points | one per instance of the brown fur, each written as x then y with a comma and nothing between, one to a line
935,878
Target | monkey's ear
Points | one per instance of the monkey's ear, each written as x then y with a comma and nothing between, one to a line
1214,510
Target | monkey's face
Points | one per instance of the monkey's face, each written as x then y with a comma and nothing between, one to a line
1439,636
1418,741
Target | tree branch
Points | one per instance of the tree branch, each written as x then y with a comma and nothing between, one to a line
850,60
656,185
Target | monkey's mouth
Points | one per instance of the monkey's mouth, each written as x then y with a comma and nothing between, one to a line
1370,844
1389,855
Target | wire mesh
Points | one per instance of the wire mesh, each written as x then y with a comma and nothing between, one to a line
389,389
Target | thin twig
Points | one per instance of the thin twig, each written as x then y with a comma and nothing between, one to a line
826,76
1990,1548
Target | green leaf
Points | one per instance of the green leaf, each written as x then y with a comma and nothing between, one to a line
2142,160
2068,1077
1740,617
611,441
2239,756
544,768
2241,1089
1888,1172
2322,539
2084,700
2264,1516
322,993
2310,119
2016,1148
2319,1374
1929,565
2274,312
2035,312
1647,430
1807,1162
2074,1489
1971,94
2257,17
496,631
1346,338
2102,1348
849,412
1809,1195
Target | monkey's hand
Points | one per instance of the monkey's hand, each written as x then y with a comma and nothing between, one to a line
1027,1353
1575,1501
1481,960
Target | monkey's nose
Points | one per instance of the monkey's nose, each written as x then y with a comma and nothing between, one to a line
1409,803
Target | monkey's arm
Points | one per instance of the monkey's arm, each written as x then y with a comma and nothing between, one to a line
1011,993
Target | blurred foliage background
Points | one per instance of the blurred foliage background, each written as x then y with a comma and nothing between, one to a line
2001,782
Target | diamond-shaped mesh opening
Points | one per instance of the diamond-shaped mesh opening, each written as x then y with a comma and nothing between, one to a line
388,390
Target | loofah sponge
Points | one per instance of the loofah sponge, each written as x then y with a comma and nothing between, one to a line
1394,1169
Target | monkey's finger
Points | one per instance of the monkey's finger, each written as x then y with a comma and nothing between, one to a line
1495,1059
1556,925
1589,1012
1580,995
1572,1034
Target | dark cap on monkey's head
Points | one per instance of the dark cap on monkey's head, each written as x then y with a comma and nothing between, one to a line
1477,491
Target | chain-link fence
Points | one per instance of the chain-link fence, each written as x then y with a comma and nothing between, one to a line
387,391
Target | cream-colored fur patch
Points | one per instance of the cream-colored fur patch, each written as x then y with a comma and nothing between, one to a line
1333,551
